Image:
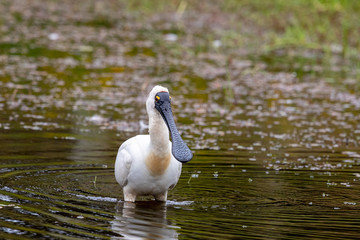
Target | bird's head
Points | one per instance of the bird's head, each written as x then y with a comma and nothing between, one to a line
158,104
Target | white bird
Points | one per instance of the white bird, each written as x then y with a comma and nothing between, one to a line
151,164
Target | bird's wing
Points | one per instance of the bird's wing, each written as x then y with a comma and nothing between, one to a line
178,173
122,165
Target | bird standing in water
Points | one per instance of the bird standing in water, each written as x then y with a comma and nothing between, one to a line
151,164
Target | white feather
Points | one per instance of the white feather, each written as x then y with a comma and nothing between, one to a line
144,163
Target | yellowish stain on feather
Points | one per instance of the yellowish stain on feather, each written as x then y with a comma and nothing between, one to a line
157,165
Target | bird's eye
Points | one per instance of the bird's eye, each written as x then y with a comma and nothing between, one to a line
157,98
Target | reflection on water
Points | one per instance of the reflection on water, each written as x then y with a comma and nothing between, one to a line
143,220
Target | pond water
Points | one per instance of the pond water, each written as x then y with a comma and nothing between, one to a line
60,184
275,138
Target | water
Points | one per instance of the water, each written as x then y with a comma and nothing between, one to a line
63,188
275,142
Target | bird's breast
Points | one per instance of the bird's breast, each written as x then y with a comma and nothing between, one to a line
157,165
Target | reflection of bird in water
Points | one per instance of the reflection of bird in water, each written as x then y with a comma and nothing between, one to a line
143,220
151,164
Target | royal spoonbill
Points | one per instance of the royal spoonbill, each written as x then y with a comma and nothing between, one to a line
151,164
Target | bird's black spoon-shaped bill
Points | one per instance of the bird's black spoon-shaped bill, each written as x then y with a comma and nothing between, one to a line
180,150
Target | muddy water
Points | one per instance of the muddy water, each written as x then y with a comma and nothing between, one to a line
275,137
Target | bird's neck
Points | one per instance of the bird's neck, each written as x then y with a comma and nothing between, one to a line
159,136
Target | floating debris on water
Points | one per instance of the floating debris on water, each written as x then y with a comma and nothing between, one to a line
217,43
53,36
171,37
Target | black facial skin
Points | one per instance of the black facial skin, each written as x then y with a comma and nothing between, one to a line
180,150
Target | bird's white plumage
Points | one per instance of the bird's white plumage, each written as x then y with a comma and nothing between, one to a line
144,163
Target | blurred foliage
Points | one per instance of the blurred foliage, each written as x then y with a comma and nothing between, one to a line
322,24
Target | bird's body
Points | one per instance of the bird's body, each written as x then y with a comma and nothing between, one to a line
145,164
146,173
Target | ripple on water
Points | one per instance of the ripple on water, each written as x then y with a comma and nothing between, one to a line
76,195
